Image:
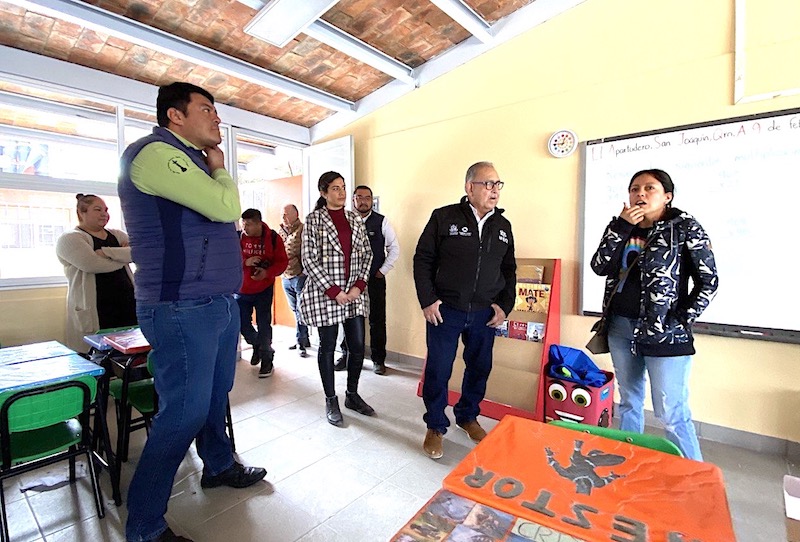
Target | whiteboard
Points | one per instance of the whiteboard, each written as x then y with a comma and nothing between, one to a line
740,178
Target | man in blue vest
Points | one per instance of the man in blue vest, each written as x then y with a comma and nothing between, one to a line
385,251
180,207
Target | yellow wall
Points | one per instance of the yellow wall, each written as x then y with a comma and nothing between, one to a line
32,315
603,68
606,67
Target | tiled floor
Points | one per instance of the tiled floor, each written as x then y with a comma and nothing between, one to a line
359,483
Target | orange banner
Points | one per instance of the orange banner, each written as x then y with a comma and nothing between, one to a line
592,487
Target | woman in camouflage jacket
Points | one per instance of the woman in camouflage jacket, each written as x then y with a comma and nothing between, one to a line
648,254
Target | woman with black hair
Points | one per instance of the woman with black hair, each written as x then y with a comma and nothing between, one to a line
648,254
336,257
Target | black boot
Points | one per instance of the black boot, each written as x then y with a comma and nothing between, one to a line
353,401
332,411
341,363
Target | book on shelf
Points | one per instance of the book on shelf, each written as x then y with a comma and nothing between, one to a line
532,297
130,341
531,274
517,330
523,331
535,332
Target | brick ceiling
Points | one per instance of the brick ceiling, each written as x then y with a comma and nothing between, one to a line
412,32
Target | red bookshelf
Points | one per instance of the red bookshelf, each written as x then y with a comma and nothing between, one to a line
515,386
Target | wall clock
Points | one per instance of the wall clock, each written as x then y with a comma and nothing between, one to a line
562,143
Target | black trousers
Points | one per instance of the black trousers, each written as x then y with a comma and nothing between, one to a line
354,337
377,320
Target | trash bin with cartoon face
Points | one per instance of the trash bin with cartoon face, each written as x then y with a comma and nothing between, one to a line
576,390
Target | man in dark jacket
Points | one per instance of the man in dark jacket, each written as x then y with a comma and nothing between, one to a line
465,272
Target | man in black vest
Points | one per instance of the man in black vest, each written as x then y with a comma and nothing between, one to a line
385,251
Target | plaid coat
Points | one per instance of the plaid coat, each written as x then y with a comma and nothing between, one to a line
323,263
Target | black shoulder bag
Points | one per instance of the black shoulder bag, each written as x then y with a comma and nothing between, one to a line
598,344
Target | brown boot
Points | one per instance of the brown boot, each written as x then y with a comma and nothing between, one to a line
433,444
474,430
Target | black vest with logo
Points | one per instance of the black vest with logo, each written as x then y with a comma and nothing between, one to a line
374,225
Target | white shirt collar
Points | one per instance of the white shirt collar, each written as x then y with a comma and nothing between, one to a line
481,221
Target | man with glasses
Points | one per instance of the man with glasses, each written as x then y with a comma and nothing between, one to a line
464,272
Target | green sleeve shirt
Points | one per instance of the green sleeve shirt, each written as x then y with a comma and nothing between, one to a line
165,171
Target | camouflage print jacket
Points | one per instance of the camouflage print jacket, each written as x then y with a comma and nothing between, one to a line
677,249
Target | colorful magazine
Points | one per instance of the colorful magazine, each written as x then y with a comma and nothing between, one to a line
532,297
524,331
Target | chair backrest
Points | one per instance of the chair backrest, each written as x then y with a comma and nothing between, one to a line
45,406
653,442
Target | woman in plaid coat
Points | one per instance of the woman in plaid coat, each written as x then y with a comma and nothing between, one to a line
336,258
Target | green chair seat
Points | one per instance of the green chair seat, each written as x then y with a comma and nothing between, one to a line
652,442
141,394
46,441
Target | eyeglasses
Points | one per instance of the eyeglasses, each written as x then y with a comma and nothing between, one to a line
337,189
361,198
490,185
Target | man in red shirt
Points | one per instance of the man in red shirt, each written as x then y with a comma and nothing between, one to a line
263,259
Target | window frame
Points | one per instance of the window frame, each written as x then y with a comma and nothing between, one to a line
20,181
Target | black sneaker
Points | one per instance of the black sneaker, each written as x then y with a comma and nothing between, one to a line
256,359
353,401
266,369
341,364
378,368
237,476
169,536
303,353
293,347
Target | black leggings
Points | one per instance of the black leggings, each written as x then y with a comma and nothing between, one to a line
354,336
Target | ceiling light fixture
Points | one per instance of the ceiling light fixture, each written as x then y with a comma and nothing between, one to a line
279,21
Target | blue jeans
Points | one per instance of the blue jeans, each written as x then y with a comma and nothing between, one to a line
442,345
194,359
293,287
669,386
262,303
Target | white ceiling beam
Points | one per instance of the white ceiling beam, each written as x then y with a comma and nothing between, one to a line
330,35
466,17
354,47
522,20
110,23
